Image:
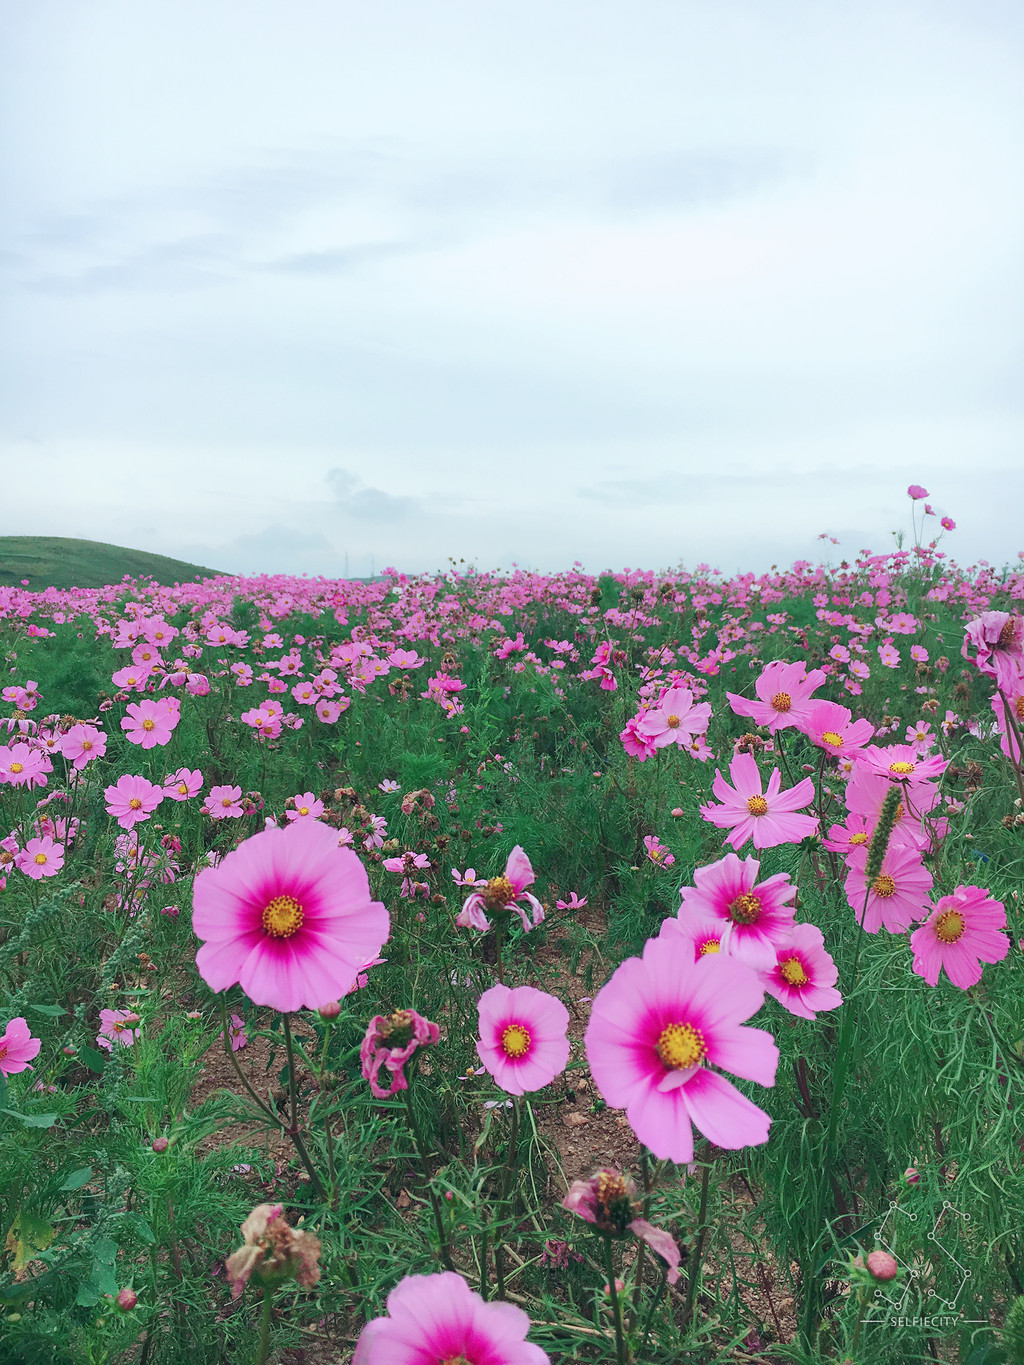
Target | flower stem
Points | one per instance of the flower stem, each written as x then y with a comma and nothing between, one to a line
694,1268
417,1138
499,1245
264,1351
609,1265
293,1103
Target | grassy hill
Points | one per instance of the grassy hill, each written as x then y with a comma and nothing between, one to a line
54,561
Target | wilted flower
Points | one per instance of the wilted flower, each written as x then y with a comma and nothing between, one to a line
607,1201
273,1252
390,1042
500,896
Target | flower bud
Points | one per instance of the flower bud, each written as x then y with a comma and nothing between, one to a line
127,1299
160,1144
330,1011
882,1265
911,1175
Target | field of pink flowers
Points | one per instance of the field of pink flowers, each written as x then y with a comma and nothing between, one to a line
488,969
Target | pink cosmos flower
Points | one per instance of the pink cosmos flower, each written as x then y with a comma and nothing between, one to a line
288,916
963,931
804,976
305,807
676,719
916,492
655,1031
81,744
132,799
898,894
390,1042
116,1029
657,851
329,711
184,784
150,723
701,931
832,728
24,766
755,917
272,1251
237,1036
224,803
501,895
40,858
889,656
750,812
902,763
523,1040
948,524
17,1048
573,902
867,790
783,693
438,1318
998,640
634,741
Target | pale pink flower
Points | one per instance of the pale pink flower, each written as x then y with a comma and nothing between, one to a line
272,1252
224,803
17,1048
23,765
657,851
305,806
116,1029
963,931
896,897
150,723
748,811
185,783
132,799
40,858
676,719
832,728
81,744
782,692
916,492
804,976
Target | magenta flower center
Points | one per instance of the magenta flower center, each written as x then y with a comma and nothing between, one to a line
745,909
515,1040
282,917
757,805
149,724
672,722
710,945
680,1046
792,972
884,886
499,891
901,768
831,737
782,701
950,926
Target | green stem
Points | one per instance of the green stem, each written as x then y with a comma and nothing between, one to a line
420,1146
506,1182
698,1255
651,1311
609,1265
293,1104
264,1352
641,1256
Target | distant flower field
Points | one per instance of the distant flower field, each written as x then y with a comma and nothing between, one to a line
481,969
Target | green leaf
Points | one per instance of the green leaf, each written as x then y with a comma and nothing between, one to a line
77,1179
32,1120
102,1279
140,1227
92,1058
51,1011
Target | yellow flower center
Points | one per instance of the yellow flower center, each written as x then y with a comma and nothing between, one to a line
227,801
282,917
901,768
859,838
303,810
830,737
182,789
950,926
135,804
40,858
680,1046
711,945
149,723
499,891
515,1040
1018,706
86,743
884,886
672,722
792,972
757,805
745,909
782,701
455,1360
17,767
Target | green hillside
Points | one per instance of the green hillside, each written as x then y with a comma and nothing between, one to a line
54,561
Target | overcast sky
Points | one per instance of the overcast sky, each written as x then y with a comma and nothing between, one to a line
295,285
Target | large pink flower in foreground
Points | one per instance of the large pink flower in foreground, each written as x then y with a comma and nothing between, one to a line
963,931
524,1040
750,812
433,1319
287,916
655,1031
